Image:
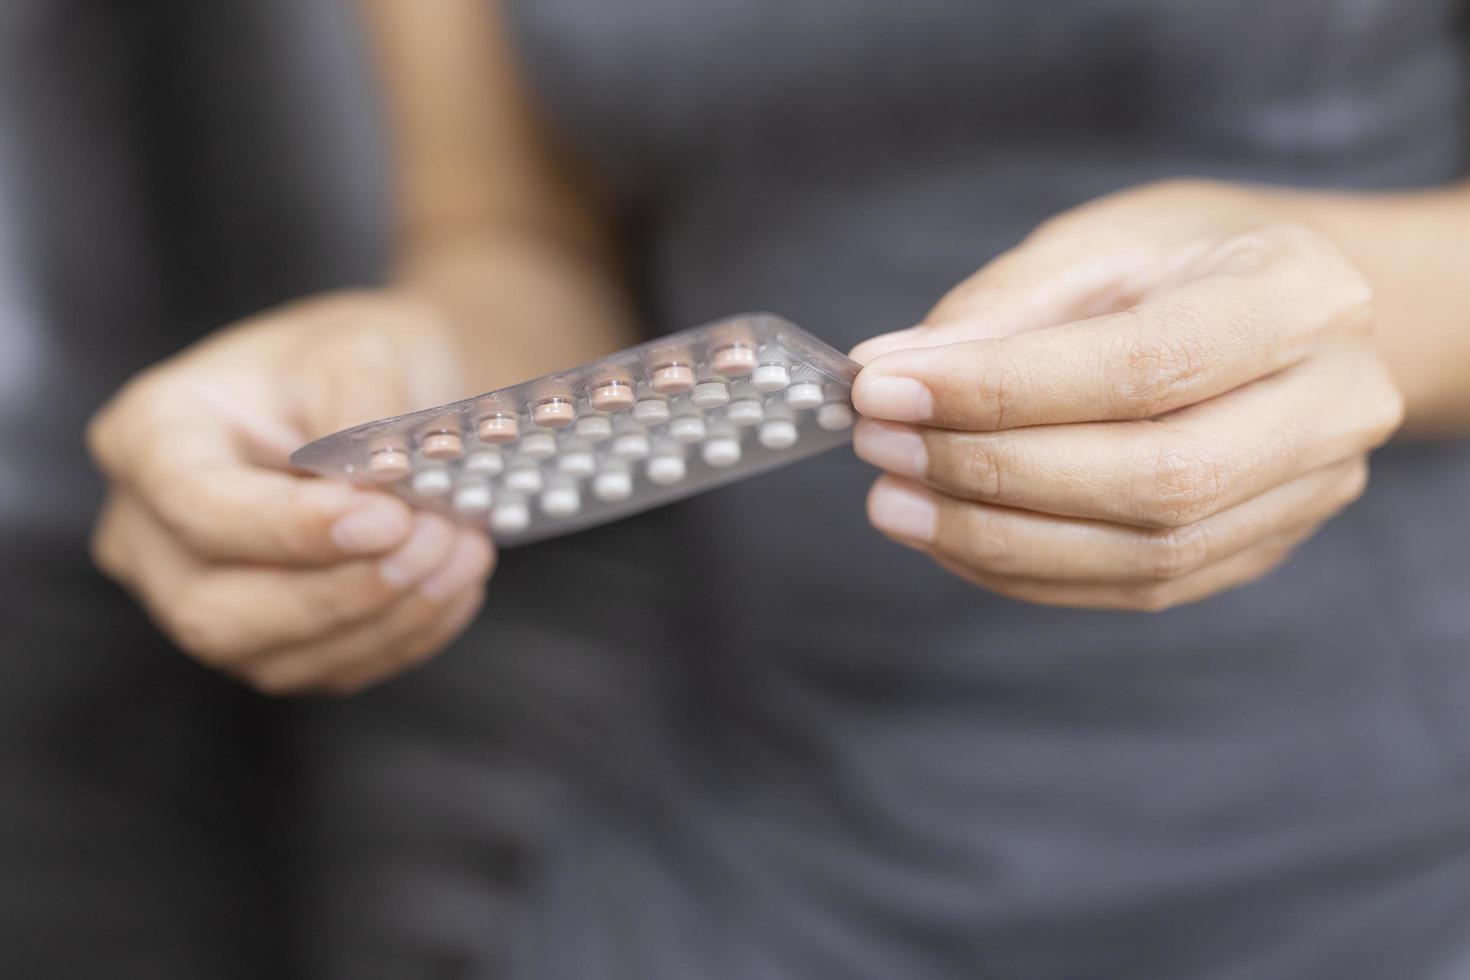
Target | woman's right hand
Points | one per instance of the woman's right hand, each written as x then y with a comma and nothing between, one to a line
289,582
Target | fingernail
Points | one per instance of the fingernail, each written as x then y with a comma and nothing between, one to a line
428,545
895,448
376,526
885,396
469,562
902,510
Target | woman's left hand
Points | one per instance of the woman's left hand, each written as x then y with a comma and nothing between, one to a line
1152,399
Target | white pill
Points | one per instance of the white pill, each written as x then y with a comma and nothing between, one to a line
577,463
835,416
593,428
665,469
562,500
539,445
709,394
631,445
472,498
524,479
687,429
486,461
651,411
745,411
805,394
778,434
510,517
722,451
612,486
432,481
770,377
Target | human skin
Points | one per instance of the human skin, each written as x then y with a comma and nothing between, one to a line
1157,396
506,269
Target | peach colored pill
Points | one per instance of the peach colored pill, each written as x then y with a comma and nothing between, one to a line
612,396
442,446
554,413
498,429
387,465
734,360
672,379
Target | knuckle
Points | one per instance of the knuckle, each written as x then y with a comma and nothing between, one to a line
1153,366
981,542
1355,481
1182,482
991,394
1174,552
980,468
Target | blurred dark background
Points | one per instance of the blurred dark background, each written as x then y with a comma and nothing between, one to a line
165,167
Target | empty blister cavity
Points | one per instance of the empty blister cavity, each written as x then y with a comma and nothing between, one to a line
638,428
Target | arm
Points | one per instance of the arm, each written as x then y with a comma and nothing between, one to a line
495,226
1414,250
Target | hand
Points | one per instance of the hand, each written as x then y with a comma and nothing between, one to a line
288,582
1152,399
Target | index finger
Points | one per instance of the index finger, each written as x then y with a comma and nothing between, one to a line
1184,346
192,476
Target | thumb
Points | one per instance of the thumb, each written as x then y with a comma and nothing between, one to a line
1068,269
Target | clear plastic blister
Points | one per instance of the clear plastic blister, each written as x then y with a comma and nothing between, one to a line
645,426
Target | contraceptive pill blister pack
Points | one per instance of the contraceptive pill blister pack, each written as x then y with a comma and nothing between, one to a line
643,427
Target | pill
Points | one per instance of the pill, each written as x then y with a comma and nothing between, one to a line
778,434
485,461
472,498
745,411
722,451
561,500
631,445
498,428
442,446
593,428
554,413
666,468
709,394
835,416
387,465
612,486
539,445
770,377
510,517
673,378
651,411
687,429
611,396
578,462
804,394
524,479
432,481
733,360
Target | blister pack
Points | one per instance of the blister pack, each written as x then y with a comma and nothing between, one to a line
645,426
